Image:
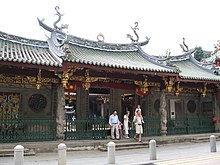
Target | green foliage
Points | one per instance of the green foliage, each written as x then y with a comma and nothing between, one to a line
199,53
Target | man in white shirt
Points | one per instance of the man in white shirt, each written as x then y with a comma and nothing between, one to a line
113,122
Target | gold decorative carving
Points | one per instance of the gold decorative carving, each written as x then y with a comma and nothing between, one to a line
7,79
178,89
144,85
38,82
9,106
67,75
203,90
87,80
169,82
86,85
74,68
65,78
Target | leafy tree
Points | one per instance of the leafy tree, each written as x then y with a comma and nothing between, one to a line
199,53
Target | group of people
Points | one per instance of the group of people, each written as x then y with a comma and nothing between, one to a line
116,125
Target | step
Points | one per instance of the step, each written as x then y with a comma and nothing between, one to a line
125,146
202,139
10,152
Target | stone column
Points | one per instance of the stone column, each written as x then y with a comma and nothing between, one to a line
163,115
60,115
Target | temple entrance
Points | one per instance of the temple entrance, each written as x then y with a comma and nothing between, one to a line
127,104
99,102
94,123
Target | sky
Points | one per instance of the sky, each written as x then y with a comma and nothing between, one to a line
166,22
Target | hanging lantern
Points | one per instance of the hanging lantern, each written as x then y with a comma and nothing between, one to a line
71,88
140,92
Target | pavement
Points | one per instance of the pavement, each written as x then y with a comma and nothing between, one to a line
82,145
171,150
186,153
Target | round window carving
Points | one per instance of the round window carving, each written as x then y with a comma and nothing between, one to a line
157,105
37,102
191,106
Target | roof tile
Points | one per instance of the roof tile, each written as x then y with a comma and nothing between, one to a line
114,59
16,51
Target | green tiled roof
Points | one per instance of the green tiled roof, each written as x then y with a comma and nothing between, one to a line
114,59
188,70
18,49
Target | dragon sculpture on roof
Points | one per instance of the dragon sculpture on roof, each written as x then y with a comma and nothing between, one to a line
136,38
184,46
135,28
63,26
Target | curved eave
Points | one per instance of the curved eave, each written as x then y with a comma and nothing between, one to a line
203,66
43,25
157,61
190,71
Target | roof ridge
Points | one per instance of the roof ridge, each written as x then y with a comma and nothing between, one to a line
101,45
23,40
203,66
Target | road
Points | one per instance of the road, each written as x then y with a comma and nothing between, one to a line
172,154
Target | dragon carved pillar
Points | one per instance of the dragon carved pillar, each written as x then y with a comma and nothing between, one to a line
163,115
60,114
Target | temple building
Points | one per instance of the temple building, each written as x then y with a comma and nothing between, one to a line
66,88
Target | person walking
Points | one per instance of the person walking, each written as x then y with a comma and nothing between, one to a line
120,127
126,126
138,120
113,122
137,109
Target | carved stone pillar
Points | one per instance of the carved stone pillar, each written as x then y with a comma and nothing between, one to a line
60,114
163,115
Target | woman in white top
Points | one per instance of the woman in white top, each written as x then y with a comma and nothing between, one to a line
126,126
138,120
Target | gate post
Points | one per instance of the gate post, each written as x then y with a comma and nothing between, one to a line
62,154
152,146
111,153
19,155
212,143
